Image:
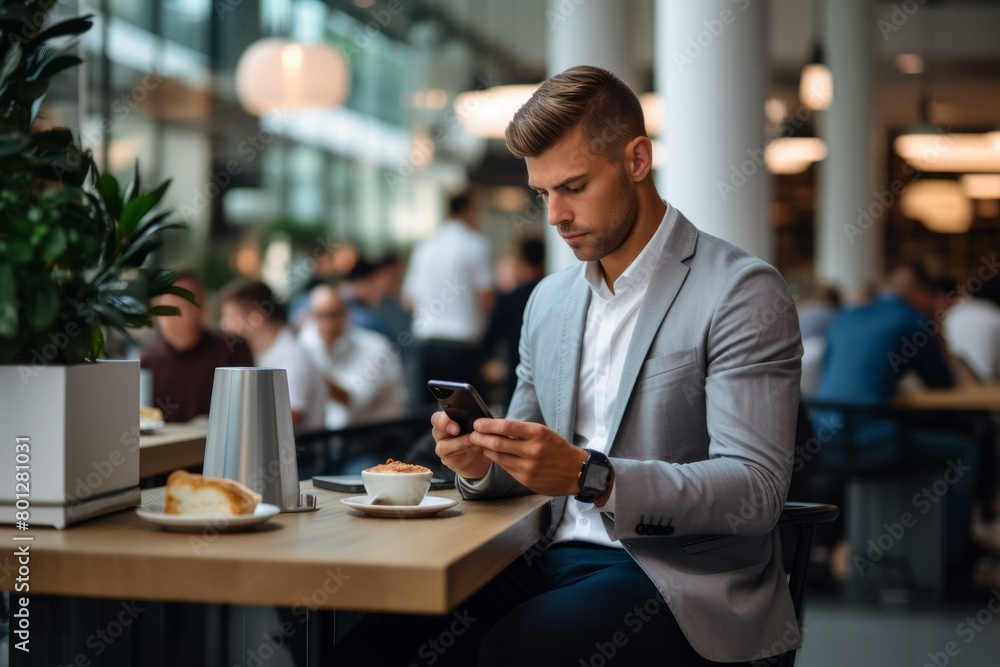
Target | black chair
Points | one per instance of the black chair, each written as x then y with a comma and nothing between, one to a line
798,523
876,493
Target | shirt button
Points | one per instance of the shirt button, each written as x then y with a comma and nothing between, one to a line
612,307
603,370
600,434
583,521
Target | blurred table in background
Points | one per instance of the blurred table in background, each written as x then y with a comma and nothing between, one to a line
985,398
175,445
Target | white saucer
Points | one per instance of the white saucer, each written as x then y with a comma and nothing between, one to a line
148,426
428,506
187,523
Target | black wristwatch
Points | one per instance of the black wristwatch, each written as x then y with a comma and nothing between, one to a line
595,477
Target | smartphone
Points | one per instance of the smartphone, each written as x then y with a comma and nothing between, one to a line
461,402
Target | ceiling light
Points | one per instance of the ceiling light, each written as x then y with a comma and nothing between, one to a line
277,74
486,113
937,203
981,186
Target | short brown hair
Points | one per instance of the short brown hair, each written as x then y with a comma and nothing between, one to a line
254,295
594,99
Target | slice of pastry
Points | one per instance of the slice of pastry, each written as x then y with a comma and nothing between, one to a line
150,414
188,493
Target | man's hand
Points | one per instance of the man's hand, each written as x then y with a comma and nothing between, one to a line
455,451
539,458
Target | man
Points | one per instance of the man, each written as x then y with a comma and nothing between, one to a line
674,354
869,350
362,372
449,289
183,360
363,293
250,312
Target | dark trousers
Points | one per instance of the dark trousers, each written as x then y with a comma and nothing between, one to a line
576,604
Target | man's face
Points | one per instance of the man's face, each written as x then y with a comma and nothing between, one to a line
329,312
590,201
234,320
189,323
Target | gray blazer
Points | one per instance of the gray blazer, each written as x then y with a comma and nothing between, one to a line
702,439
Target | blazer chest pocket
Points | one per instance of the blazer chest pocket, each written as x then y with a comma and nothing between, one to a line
666,363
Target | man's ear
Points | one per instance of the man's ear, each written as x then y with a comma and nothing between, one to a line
255,319
638,158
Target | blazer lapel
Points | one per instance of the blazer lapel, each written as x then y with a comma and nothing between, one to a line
570,349
665,282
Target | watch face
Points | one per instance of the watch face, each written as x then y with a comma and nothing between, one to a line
597,477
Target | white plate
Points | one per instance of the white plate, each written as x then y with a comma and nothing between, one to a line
187,523
148,426
428,506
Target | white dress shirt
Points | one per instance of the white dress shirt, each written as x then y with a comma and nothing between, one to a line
611,319
366,365
306,390
447,272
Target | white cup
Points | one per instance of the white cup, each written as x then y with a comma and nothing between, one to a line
396,488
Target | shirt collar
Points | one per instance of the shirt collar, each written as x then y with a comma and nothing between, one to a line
640,268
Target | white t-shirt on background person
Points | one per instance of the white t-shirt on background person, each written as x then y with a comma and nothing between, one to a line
306,389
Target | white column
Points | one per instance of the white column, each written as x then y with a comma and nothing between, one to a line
710,64
849,230
594,32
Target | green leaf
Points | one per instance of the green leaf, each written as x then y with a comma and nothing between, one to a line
18,251
187,295
128,305
13,142
75,26
54,66
134,188
161,280
111,195
55,244
138,253
158,193
134,211
163,311
44,304
10,63
8,302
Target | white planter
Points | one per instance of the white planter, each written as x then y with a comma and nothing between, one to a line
81,424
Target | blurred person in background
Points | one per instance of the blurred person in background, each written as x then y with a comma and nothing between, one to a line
504,328
869,349
250,312
362,291
815,317
389,274
361,368
973,330
449,289
184,357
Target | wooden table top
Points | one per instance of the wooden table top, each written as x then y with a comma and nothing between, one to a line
335,558
974,398
175,445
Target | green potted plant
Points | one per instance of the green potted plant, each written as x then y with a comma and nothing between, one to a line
73,244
